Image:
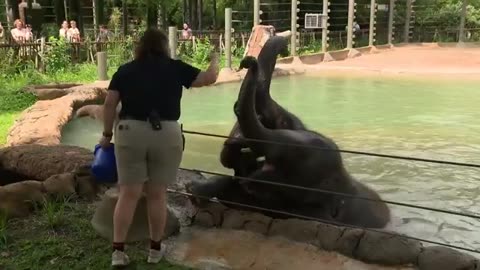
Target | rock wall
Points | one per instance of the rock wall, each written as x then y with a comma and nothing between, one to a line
364,245
41,171
42,123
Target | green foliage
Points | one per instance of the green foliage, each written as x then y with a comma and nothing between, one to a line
49,30
57,56
439,20
53,210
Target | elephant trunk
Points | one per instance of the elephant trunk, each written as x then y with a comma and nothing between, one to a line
267,59
247,118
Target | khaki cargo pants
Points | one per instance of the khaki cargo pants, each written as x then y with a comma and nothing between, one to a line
143,154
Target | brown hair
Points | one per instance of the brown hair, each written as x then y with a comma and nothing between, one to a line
154,42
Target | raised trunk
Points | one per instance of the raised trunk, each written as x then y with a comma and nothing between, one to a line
247,114
267,59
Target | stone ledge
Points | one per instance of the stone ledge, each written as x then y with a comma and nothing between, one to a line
364,245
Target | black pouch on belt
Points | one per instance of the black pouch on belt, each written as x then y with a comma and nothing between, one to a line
155,120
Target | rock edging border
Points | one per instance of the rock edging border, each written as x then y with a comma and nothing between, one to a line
365,245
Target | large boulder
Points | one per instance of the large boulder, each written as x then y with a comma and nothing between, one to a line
39,162
102,220
41,171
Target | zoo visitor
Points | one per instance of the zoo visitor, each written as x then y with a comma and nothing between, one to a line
148,139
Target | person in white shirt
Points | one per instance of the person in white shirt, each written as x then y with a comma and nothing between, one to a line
18,33
63,30
73,33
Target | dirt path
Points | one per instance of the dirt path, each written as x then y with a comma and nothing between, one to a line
428,60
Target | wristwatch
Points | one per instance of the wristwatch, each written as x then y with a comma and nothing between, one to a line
107,134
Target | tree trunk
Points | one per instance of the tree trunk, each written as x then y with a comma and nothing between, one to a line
59,11
100,11
125,17
194,13
214,3
190,12
163,10
199,14
185,11
81,24
152,14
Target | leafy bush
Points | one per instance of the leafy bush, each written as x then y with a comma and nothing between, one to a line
58,55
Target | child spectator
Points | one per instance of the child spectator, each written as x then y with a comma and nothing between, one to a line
73,34
62,33
186,32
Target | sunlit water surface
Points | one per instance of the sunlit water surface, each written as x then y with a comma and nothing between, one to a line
409,117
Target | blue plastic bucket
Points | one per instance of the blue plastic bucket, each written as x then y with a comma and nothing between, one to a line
104,166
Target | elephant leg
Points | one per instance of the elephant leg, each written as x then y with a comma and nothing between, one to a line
227,189
209,189
369,214
266,195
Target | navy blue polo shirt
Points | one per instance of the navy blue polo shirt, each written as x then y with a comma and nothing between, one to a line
152,83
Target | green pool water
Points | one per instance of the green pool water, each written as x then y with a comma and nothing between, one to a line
435,119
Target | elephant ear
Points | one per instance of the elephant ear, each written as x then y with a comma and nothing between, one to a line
236,109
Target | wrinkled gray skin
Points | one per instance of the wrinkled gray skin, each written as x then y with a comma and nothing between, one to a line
298,166
271,114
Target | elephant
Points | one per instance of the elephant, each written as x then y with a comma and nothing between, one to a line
292,160
235,154
95,111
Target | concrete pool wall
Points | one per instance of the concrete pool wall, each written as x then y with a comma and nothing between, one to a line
42,124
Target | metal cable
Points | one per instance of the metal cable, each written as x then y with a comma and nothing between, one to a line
275,4
339,194
320,220
343,151
276,20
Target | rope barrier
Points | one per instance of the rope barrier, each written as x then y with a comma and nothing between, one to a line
320,220
324,191
343,151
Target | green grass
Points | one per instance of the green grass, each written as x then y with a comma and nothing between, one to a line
60,236
6,121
